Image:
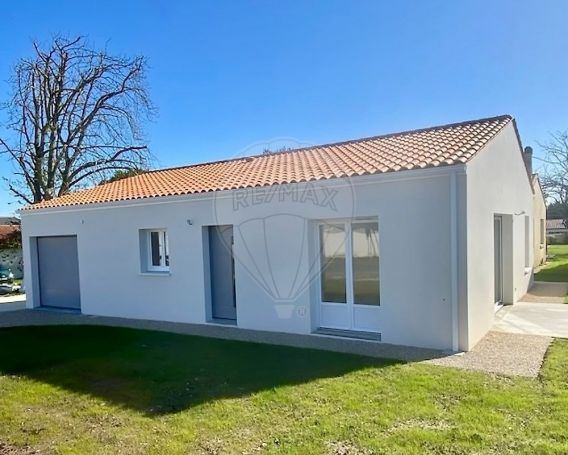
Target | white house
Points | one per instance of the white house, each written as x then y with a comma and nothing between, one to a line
317,240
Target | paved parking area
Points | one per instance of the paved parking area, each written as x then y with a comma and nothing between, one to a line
13,298
12,303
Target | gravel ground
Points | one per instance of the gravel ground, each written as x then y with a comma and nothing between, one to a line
502,353
323,342
509,354
7,449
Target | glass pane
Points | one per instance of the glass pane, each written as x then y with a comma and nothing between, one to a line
166,249
332,244
365,263
155,248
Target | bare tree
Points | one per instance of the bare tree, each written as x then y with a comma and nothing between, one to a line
123,174
555,172
74,118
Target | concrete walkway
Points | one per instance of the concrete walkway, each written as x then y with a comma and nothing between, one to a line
545,319
541,312
546,292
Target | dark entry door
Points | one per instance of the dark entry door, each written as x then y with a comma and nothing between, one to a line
223,301
498,258
58,267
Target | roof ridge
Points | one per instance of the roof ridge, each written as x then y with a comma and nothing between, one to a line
435,146
332,144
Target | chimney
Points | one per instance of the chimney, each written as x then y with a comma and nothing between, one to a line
527,156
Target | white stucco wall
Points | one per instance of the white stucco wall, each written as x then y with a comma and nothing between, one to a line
497,183
435,247
415,236
539,213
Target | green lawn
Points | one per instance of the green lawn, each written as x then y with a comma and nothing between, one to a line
107,390
556,268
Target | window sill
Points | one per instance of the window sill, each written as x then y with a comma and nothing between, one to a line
155,274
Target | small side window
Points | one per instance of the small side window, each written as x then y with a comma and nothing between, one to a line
154,250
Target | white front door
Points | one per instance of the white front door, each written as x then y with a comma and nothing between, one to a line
349,275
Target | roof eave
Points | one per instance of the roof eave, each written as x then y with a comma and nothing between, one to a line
401,175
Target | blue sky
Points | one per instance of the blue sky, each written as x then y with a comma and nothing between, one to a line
230,76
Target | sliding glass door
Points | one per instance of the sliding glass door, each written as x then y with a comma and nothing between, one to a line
349,271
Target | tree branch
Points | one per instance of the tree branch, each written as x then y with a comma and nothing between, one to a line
75,116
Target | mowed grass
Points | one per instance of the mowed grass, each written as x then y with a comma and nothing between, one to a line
556,267
102,390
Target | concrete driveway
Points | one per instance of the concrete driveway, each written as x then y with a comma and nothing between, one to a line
13,302
540,313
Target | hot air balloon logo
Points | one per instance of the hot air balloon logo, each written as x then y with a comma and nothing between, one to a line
275,232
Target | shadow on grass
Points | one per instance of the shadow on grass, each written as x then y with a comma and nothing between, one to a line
161,373
556,267
553,273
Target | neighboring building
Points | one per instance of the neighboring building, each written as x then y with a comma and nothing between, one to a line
539,213
317,240
9,226
7,230
556,231
10,245
9,221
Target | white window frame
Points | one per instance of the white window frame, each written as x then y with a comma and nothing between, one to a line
349,290
163,245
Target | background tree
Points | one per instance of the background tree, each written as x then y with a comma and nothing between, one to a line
555,175
11,239
268,151
557,211
123,174
74,118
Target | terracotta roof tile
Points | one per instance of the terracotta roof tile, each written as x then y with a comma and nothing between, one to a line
418,149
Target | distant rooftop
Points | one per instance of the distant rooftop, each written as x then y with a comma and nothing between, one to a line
555,224
8,220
